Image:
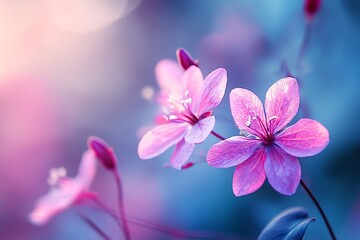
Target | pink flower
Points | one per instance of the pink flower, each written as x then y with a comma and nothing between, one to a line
66,191
188,102
265,148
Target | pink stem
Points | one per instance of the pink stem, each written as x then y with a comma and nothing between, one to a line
217,135
160,228
121,205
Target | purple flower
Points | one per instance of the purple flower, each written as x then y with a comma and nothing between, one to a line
265,147
188,102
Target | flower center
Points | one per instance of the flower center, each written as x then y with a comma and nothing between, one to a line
262,129
178,109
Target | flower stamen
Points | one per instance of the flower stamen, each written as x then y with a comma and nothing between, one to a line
55,176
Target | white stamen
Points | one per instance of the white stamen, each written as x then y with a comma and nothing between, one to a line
55,174
166,110
246,134
61,172
166,118
172,117
187,100
187,93
272,118
248,122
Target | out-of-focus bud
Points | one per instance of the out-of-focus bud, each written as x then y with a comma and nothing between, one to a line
187,165
185,59
311,7
103,152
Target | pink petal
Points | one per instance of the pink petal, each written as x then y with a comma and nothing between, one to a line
193,82
245,106
282,170
249,176
168,74
181,154
87,170
199,132
54,202
160,138
282,103
231,152
213,90
305,138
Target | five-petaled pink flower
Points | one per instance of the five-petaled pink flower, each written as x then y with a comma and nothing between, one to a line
188,102
265,148
66,191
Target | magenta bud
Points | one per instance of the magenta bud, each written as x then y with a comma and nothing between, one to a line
187,165
103,152
185,59
311,7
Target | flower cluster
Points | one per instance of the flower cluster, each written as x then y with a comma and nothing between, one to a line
266,147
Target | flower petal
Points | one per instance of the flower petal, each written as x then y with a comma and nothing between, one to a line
199,132
168,75
193,82
249,176
282,170
87,169
181,154
213,90
282,103
247,110
305,138
160,138
231,152
54,202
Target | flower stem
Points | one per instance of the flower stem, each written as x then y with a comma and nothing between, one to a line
320,209
95,227
157,227
217,135
121,205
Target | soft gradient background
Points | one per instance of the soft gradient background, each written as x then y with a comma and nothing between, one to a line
74,68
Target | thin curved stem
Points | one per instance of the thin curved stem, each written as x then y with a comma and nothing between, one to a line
320,209
217,135
121,205
95,227
160,228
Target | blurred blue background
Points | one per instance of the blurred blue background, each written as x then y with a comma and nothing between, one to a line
71,69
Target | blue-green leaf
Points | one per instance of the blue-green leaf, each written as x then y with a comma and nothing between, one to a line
288,225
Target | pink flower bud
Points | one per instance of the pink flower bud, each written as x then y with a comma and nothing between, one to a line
311,7
185,59
187,165
102,152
